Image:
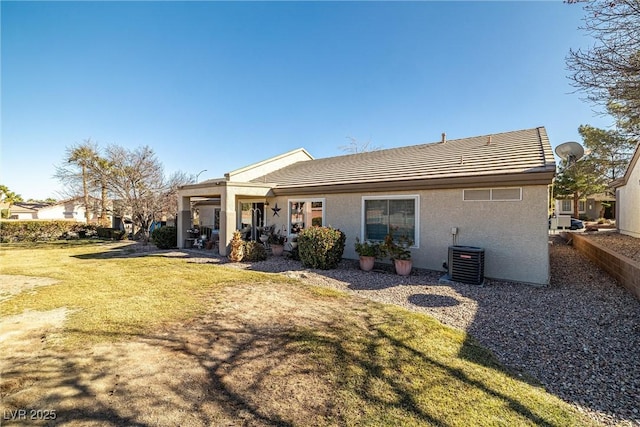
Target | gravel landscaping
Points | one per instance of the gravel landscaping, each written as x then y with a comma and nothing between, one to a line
578,337
620,243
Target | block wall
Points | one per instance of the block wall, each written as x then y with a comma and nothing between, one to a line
625,270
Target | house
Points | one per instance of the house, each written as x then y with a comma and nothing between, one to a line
487,191
70,209
24,210
628,197
596,206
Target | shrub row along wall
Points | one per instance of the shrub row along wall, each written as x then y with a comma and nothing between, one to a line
625,270
34,231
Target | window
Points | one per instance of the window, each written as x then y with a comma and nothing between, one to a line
493,194
390,214
305,213
250,219
581,207
566,206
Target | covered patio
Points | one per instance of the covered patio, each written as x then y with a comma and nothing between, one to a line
225,207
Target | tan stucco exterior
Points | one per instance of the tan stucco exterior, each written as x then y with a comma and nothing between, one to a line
256,170
628,198
514,234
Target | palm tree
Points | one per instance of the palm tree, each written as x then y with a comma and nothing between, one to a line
9,197
83,155
101,170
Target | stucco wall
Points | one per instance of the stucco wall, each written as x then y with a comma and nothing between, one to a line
514,234
256,170
67,210
628,204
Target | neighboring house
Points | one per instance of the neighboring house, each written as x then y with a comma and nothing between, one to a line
593,207
70,209
24,210
628,197
492,190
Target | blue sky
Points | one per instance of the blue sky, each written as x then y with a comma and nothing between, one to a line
220,85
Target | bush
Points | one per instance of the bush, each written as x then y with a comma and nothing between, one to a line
254,251
165,237
321,247
34,231
110,233
293,254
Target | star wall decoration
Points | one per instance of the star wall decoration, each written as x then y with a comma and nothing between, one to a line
275,210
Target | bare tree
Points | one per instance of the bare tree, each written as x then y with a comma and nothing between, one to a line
609,72
170,196
137,181
356,146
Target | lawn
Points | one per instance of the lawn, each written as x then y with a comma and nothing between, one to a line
157,340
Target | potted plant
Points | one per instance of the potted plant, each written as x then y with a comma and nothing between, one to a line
399,253
368,252
276,242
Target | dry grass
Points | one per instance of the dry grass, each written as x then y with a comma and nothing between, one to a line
159,341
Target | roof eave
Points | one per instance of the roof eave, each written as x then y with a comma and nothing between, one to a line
534,178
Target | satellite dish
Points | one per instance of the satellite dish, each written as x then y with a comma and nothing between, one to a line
570,151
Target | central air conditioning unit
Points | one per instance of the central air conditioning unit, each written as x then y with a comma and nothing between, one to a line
466,264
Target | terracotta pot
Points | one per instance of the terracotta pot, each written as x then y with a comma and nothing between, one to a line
403,266
277,250
367,262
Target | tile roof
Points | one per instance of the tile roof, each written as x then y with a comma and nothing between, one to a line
517,152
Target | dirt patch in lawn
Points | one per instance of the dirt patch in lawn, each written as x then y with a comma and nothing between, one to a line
233,365
13,285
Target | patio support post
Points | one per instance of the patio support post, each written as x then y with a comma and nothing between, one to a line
227,219
184,219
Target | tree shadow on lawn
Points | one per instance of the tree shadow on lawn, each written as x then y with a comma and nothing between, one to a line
228,369
519,323
131,249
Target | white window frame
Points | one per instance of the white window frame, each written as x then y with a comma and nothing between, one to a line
416,201
309,201
562,202
491,199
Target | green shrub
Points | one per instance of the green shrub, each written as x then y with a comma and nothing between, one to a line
321,247
293,254
165,237
254,251
35,231
111,233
